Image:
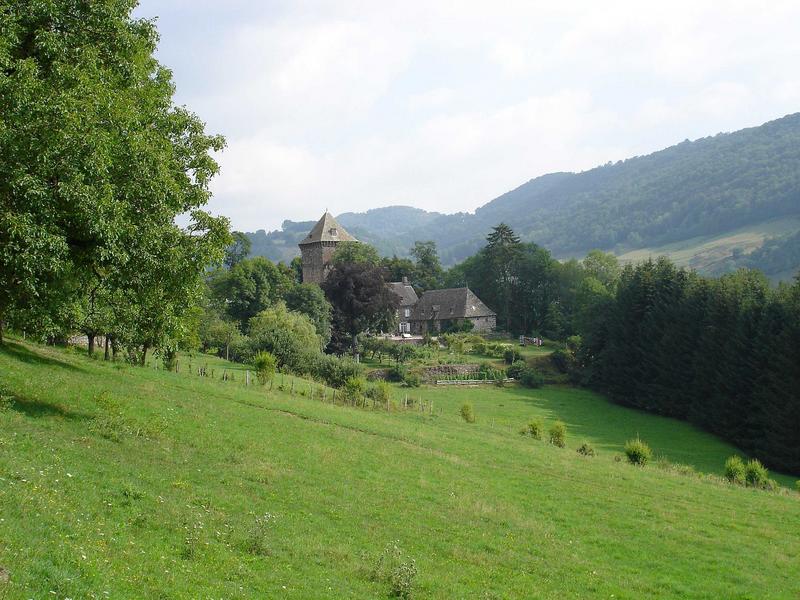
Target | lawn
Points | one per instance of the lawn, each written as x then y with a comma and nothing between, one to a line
124,482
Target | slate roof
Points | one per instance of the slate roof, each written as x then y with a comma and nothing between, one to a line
453,303
408,297
327,230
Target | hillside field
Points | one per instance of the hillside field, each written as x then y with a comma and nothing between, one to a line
707,253
125,482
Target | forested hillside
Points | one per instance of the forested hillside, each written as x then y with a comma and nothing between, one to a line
702,188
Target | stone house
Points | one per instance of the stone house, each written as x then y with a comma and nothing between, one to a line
317,248
408,298
438,310
435,311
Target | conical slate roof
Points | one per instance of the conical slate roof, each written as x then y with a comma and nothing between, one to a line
327,230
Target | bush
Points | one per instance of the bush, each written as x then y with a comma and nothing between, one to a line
558,434
797,485
396,569
412,380
402,352
353,389
638,452
333,370
735,470
169,357
511,355
585,449
467,413
380,392
755,474
516,369
401,580
530,378
397,373
264,363
257,540
562,359
533,429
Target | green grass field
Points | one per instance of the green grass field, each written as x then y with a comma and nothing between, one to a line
123,482
706,251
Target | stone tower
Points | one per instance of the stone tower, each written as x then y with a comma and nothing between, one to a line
318,246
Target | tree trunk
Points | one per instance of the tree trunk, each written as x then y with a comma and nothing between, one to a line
106,354
355,347
1,329
227,351
145,348
114,349
90,337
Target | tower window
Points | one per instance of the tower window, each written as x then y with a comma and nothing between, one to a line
334,232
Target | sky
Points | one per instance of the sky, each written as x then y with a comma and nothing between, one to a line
353,105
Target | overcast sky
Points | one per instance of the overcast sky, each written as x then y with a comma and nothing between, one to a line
445,105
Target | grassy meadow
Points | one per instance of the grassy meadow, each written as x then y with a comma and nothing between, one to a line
706,251
125,482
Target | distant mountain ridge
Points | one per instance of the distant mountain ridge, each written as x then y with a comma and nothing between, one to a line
698,189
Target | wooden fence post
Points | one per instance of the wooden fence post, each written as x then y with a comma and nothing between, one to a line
247,378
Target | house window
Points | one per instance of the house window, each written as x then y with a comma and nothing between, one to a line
407,312
334,232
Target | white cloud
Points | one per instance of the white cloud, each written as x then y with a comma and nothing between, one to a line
355,104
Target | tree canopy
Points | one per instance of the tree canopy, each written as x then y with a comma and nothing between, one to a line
96,162
361,300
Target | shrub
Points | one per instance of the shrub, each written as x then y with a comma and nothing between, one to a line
558,434
562,359
735,470
401,580
412,380
516,369
402,352
380,392
638,452
264,363
397,373
353,389
585,449
396,569
257,541
333,370
771,485
169,357
533,429
530,378
511,355
797,485
467,413
756,474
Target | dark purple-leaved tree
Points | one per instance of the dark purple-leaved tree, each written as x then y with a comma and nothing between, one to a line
361,300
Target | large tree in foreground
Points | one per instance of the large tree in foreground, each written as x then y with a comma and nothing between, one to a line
96,162
361,300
